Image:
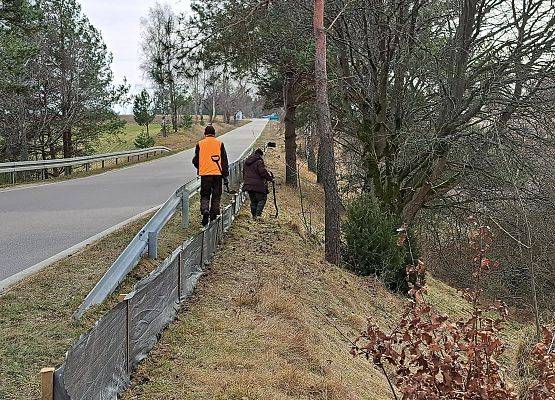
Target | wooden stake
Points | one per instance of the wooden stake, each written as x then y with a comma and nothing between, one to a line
47,382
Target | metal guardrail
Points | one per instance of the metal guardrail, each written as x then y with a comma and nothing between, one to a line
26,166
146,241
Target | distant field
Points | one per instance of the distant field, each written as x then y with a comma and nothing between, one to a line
183,139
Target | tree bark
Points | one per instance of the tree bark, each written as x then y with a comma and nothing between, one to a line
329,178
173,107
290,130
213,116
311,151
67,143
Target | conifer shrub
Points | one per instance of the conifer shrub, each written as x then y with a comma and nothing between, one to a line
371,243
144,140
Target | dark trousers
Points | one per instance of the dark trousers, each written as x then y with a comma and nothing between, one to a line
258,201
210,195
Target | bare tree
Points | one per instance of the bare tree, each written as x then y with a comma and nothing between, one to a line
161,60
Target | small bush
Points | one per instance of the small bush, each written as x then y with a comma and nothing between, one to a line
187,121
372,247
144,141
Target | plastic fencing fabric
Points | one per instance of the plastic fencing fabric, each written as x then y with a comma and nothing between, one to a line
210,241
60,392
153,306
228,217
191,265
220,230
96,366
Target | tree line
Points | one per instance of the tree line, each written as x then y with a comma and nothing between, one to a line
182,84
439,111
56,85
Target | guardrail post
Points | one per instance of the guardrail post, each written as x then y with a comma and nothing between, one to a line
153,245
13,178
185,209
102,164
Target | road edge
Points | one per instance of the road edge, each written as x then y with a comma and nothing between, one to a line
16,278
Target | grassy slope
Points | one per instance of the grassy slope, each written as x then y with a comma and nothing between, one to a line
264,321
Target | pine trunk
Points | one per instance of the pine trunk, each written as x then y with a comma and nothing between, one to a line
290,131
329,178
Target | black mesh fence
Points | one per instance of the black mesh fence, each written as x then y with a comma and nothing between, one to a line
191,265
96,366
151,308
99,365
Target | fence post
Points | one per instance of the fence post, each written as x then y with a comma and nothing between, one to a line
185,208
13,178
153,245
47,383
202,250
123,298
179,265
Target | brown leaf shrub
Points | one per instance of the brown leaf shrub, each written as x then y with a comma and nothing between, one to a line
430,356
543,358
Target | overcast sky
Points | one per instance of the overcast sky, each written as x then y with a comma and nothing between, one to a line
120,24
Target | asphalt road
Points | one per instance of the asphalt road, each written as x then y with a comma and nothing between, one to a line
41,221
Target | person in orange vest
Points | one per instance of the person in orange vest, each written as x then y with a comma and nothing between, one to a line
213,168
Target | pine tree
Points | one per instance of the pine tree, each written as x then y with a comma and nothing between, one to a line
142,109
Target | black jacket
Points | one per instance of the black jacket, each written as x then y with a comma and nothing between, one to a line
255,175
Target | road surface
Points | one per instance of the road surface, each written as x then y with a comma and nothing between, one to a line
40,221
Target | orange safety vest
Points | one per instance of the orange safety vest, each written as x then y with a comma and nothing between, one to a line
208,147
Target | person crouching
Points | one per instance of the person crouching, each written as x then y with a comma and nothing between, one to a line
255,182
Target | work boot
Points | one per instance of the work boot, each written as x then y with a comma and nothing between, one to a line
205,219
